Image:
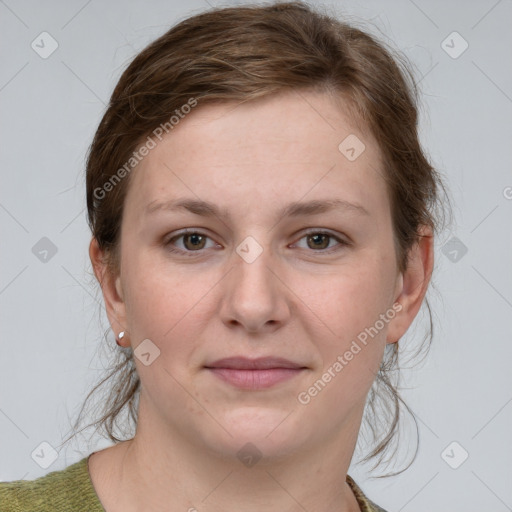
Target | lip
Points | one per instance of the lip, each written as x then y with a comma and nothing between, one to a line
261,363
254,374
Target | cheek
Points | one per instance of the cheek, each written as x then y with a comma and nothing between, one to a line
160,299
355,314
161,310
352,350
347,301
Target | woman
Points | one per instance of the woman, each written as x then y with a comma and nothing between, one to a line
263,219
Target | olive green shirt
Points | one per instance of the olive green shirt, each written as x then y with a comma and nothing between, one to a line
71,490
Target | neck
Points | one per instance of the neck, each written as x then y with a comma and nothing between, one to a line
162,470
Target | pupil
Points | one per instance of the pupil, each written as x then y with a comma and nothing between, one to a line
194,238
317,239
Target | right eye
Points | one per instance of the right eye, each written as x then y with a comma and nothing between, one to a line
193,242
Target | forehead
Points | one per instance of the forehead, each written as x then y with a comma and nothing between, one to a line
285,146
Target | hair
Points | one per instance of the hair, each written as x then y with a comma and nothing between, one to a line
242,54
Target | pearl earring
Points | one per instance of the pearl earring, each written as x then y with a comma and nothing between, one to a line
119,338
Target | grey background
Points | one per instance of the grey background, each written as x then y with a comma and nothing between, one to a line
51,312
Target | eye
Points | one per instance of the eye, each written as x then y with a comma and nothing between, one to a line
319,241
193,241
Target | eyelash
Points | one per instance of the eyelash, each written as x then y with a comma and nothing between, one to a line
168,244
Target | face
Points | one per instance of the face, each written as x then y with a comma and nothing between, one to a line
312,285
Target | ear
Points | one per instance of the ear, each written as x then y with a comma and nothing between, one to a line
412,284
111,288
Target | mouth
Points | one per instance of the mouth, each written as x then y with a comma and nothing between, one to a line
253,374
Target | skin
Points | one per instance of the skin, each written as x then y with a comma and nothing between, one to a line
291,302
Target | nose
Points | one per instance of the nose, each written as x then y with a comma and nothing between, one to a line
254,296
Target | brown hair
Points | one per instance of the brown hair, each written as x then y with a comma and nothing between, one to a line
244,53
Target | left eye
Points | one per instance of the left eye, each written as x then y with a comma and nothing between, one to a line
195,241
318,240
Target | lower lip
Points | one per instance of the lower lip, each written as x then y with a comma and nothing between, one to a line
255,379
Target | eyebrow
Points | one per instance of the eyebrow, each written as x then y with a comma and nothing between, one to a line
295,209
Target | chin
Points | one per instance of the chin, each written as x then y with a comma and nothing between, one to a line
262,433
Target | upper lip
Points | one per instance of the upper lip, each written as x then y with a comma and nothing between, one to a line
261,363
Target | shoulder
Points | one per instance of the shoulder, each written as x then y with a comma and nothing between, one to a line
365,504
68,490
